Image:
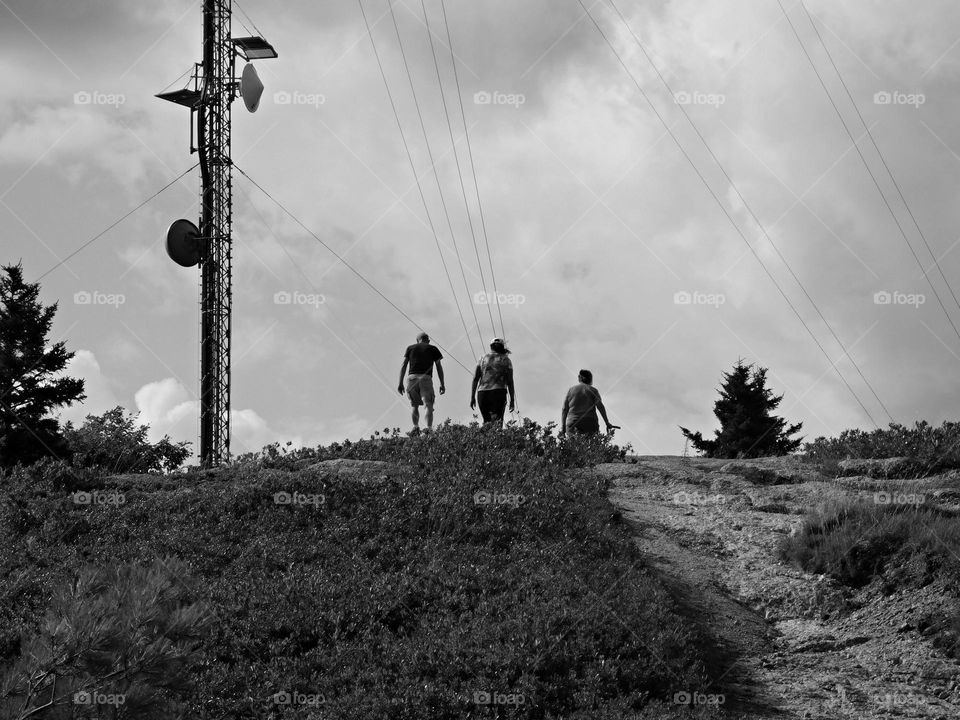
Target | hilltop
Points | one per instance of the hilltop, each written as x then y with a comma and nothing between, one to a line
499,574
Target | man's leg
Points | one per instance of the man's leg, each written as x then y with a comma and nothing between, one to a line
413,392
428,396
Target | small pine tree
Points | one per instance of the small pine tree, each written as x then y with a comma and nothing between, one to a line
119,641
747,427
29,384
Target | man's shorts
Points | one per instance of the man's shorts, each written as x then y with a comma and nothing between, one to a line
420,390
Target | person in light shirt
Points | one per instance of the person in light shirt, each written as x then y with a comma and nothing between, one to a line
492,381
580,408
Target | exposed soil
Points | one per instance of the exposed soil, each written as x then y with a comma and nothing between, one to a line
789,644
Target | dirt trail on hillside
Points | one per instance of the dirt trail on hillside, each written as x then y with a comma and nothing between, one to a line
789,644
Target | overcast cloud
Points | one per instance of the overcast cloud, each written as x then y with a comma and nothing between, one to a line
596,220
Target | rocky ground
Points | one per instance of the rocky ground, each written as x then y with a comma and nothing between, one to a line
792,644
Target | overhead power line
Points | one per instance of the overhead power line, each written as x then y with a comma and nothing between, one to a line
719,202
753,215
473,168
883,160
350,267
456,157
436,177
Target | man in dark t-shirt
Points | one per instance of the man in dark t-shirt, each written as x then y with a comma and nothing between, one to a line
418,384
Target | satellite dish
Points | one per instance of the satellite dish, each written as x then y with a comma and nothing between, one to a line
183,243
250,87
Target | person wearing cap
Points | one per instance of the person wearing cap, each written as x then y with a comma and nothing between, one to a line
491,382
580,408
420,359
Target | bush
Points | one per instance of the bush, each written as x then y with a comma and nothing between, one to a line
124,636
858,542
934,449
401,599
114,442
448,443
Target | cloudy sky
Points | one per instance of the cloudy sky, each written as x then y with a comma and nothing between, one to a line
609,251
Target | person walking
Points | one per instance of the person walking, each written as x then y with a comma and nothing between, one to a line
492,380
420,359
580,408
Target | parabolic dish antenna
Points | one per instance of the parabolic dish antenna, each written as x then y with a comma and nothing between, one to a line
183,243
250,87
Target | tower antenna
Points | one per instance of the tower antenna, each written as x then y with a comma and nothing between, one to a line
215,86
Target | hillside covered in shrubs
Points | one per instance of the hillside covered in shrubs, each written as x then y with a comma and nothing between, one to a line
463,574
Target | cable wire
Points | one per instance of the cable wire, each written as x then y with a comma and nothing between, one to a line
876,147
473,167
873,177
724,209
350,267
753,215
413,169
117,222
436,175
463,188
346,327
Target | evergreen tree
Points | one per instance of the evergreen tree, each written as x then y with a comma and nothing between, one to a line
747,426
29,384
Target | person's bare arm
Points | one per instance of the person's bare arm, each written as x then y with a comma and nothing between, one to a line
603,411
443,387
403,374
563,416
510,389
473,388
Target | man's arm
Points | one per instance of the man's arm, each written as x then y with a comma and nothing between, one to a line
510,388
563,416
473,387
403,374
603,411
443,388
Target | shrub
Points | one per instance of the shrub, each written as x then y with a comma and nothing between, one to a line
401,599
857,542
114,442
934,449
124,636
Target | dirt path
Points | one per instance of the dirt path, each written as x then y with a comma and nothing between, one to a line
789,644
